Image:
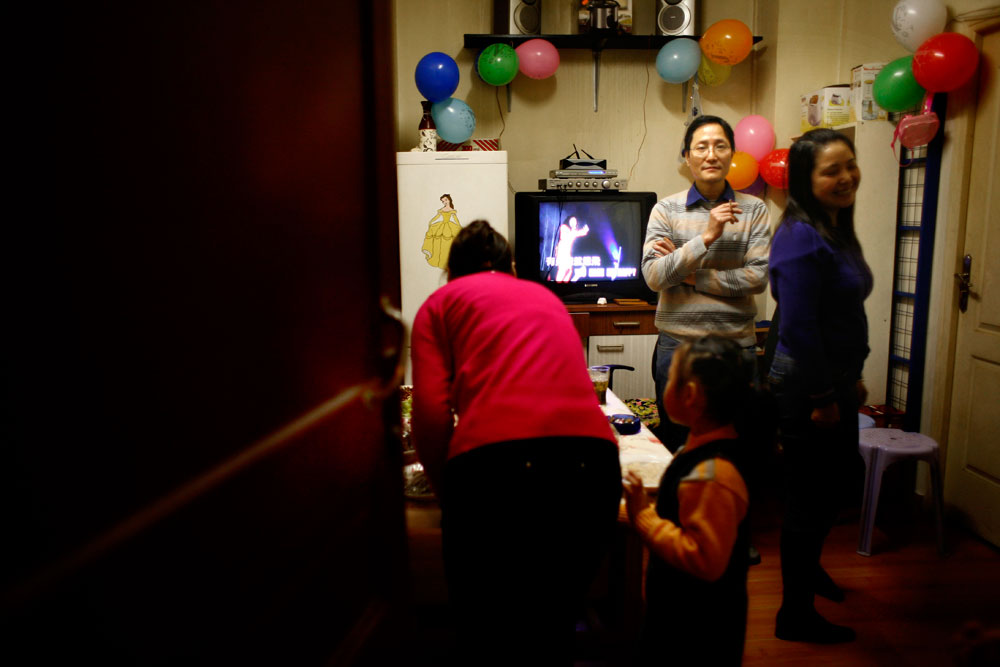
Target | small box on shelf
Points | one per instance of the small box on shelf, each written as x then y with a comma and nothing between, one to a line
826,107
863,105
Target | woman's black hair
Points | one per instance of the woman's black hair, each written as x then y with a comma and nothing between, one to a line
707,120
479,247
802,203
724,372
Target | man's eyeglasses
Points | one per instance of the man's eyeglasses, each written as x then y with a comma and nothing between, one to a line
720,150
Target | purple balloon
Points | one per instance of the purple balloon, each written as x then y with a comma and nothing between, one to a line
756,188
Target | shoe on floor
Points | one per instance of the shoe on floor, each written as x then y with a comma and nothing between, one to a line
825,586
810,627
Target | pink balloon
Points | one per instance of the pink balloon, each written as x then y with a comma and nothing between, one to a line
537,58
754,135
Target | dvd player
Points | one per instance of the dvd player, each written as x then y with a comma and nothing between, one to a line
591,173
583,183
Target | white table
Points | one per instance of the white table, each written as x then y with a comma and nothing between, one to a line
643,451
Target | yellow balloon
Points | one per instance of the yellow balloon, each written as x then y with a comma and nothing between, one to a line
712,73
727,42
743,171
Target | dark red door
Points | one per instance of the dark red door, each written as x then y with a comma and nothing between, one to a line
198,465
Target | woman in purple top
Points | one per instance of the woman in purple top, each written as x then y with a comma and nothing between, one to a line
820,280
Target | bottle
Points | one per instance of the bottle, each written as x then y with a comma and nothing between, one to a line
427,130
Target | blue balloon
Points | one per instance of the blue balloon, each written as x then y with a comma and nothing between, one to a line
678,60
436,76
454,120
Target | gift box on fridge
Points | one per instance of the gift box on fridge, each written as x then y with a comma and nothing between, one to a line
470,145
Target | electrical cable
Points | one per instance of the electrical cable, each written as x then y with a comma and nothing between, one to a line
638,151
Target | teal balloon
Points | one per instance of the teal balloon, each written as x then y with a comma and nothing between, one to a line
895,87
678,60
497,64
453,119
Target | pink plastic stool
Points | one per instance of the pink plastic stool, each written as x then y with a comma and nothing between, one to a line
880,448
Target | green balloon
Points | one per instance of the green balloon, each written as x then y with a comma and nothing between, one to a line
497,64
895,87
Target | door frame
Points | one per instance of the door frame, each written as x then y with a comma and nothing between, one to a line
953,202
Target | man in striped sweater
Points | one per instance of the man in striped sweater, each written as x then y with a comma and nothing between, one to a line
706,254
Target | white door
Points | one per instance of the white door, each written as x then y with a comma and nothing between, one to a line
973,469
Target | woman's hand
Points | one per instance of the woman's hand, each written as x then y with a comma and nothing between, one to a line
636,499
826,416
862,392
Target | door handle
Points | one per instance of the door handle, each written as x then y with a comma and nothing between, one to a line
611,348
964,283
393,363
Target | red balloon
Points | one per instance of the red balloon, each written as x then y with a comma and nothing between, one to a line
945,62
774,168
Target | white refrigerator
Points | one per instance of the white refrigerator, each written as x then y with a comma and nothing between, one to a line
440,192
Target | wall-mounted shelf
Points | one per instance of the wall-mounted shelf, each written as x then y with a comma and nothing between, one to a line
592,41
596,42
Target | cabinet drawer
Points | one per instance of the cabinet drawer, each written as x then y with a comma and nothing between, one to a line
634,351
622,324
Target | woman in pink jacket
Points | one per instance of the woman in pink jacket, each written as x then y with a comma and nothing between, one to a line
523,461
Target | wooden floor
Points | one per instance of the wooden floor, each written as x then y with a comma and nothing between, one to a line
907,603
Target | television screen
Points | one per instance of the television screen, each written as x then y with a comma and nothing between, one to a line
583,245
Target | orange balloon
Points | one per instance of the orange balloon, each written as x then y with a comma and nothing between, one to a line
727,42
743,171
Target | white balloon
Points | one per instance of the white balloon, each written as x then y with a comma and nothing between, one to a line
914,21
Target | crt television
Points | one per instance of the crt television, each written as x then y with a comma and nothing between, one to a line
583,245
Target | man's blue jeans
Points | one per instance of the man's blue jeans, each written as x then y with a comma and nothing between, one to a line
670,434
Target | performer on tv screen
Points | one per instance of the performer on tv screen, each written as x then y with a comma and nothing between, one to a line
569,232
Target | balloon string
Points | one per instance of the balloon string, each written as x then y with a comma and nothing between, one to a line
503,123
503,126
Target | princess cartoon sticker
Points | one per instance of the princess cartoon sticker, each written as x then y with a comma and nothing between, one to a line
441,230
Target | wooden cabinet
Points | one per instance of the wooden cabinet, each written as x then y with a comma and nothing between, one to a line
615,334
634,351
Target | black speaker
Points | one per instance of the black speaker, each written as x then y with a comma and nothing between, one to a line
675,17
517,17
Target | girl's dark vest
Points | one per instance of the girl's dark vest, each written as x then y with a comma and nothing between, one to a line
708,611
